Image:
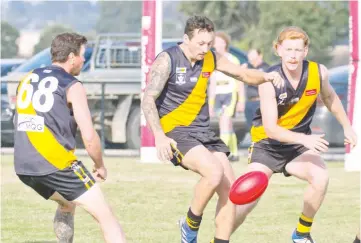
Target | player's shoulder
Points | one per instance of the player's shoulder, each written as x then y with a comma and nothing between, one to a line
171,51
64,78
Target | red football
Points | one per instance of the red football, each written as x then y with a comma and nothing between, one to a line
248,187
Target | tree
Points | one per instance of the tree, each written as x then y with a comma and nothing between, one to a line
256,24
48,35
9,35
234,17
119,17
325,23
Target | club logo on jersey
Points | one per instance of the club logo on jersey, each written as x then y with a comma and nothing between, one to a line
311,92
181,70
282,98
206,74
193,79
180,78
30,123
294,100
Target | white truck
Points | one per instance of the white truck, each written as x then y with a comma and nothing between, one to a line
111,76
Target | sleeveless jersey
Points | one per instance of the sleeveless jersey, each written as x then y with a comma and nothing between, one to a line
45,127
296,107
183,103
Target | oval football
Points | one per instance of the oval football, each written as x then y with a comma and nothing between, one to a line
248,187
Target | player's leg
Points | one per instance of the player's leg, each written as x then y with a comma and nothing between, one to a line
311,168
243,210
225,211
78,186
94,203
221,103
64,219
227,125
202,161
264,158
64,216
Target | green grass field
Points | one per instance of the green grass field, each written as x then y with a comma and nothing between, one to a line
148,199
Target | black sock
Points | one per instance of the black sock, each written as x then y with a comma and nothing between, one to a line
193,220
357,240
220,241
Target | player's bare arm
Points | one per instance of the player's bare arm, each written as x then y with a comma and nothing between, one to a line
249,76
158,76
334,105
274,131
76,96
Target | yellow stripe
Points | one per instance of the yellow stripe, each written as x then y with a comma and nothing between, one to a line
45,143
85,175
303,229
295,115
250,151
81,178
185,114
191,222
305,218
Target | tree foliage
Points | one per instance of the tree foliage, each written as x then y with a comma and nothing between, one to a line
9,35
48,34
257,24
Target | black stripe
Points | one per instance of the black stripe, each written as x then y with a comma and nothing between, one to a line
305,223
320,75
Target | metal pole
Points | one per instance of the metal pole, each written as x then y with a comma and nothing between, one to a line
102,107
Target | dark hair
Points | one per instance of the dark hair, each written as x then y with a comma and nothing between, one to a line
200,23
64,44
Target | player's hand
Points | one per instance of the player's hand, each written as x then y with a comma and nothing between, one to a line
164,150
315,143
100,173
350,137
275,78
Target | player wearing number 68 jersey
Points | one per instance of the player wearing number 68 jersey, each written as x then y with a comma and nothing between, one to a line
50,104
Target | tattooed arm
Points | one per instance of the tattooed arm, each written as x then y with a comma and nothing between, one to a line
158,76
249,76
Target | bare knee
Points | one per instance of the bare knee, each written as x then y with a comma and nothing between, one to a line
214,175
319,180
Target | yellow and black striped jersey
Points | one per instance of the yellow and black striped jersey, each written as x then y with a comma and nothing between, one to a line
45,127
296,107
183,103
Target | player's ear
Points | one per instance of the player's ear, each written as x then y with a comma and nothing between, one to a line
278,49
71,57
185,38
306,51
